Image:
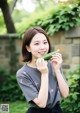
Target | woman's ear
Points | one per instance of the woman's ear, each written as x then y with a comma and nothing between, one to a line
28,48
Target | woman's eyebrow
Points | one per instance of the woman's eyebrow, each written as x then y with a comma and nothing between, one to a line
39,41
36,41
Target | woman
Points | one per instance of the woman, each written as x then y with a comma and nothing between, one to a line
41,81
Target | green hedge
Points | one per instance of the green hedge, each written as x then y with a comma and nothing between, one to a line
9,89
72,103
61,18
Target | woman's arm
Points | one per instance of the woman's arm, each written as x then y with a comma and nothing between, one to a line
63,87
41,100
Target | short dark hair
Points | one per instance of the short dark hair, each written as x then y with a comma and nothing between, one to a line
28,35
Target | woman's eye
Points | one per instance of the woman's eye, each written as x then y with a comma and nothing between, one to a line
39,43
45,42
36,44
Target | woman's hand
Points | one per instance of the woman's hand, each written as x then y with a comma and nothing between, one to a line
42,66
42,98
56,61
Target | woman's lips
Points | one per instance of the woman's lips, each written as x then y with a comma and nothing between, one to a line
42,53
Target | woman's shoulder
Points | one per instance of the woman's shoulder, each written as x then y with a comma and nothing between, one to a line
20,71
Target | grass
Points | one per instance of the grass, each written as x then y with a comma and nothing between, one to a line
17,107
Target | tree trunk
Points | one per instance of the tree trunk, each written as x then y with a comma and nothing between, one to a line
10,29
7,16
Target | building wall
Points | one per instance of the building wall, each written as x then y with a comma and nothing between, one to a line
68,43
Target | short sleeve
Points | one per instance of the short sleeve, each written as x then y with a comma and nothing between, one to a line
29,90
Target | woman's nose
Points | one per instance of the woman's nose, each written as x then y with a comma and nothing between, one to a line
42,46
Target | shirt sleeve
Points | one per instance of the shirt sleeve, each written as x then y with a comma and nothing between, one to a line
29,90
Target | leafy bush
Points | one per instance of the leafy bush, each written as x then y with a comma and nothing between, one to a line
18,107
72,103
63,18
9,89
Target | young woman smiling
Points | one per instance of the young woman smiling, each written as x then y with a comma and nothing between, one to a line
41,81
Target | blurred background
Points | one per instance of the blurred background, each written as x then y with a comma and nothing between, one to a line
61,20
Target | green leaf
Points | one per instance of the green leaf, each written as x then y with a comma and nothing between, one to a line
74,96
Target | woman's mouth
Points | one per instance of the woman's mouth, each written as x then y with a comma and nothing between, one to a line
42,53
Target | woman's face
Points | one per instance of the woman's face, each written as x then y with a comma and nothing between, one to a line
39,46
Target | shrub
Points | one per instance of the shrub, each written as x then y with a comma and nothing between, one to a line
72,103
9,89
54,20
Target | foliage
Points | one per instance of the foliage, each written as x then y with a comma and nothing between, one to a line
72,103
9,90
54,20
29,21
63,20
17,106
74,1
2,26
20,14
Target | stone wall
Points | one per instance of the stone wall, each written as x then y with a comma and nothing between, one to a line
4,52
68,43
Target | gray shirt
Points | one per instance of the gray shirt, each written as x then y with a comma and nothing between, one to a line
29,80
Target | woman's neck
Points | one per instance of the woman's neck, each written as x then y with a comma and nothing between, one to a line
32,64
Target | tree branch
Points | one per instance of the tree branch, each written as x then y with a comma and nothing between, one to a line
13,5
